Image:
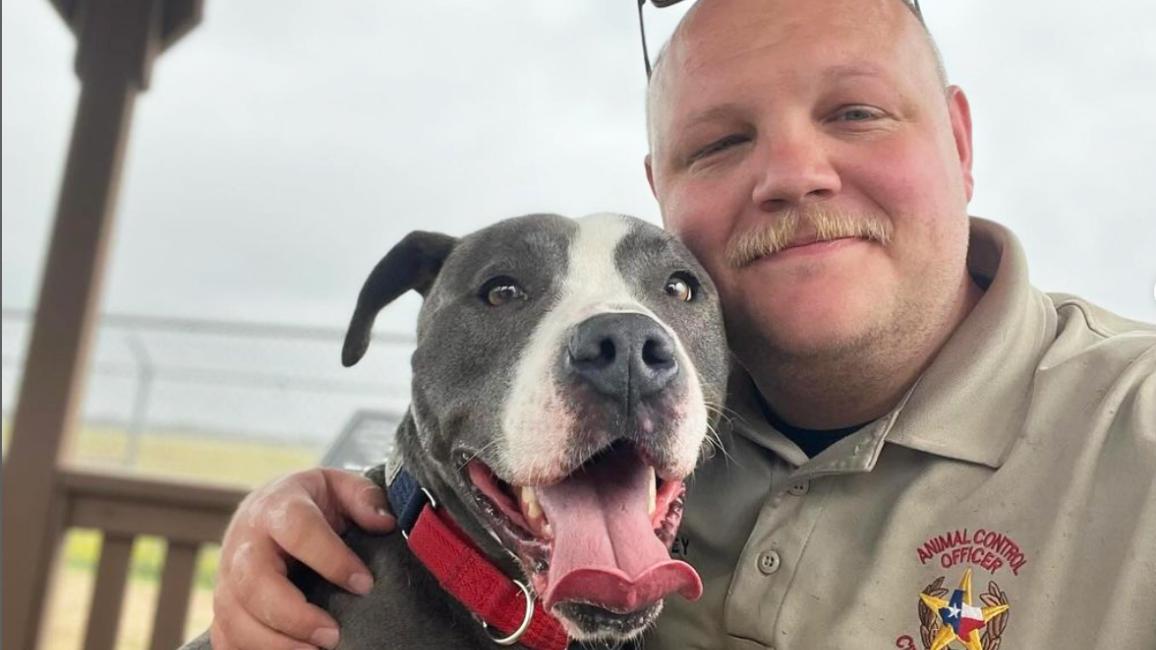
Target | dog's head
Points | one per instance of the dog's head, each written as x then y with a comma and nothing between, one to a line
565,377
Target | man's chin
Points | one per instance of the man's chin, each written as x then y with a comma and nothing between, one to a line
804,336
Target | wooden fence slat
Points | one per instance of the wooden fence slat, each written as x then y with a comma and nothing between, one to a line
170,493
173,601
108,594
126,518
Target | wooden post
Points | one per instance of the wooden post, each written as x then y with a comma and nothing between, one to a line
117,40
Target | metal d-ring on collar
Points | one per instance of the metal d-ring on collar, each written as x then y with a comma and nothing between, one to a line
526,618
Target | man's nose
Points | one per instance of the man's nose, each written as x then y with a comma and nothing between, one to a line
622,355
795,167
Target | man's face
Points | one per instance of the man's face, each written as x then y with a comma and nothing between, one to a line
828,115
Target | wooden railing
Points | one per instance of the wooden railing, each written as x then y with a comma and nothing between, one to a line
186,515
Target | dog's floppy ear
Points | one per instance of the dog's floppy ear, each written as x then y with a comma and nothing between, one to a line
413,263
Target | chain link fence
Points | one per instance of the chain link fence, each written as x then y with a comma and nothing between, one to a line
229,401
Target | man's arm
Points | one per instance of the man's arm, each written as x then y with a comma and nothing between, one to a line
297,518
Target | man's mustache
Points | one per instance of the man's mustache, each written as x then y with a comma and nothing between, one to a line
796,225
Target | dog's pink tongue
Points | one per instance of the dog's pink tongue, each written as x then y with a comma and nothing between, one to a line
605,550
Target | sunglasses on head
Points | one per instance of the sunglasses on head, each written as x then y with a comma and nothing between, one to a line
914,4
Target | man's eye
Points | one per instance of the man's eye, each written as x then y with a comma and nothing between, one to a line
857,114
719,145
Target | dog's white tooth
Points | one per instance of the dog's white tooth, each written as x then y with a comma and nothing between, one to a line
530,499
651,492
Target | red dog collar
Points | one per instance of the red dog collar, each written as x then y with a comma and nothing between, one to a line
496,601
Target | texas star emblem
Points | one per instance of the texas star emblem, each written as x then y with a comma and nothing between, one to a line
960,620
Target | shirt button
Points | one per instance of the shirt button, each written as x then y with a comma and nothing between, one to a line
800,488
769,562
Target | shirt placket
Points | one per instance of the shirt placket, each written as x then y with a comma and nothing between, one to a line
774,552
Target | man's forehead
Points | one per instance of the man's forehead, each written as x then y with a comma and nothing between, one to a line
827,40
717,30
710,110
720,17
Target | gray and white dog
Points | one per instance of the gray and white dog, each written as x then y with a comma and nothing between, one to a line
565,377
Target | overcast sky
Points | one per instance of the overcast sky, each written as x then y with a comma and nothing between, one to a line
286,145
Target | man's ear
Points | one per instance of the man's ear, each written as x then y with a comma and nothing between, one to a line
646,162
413,263
959,112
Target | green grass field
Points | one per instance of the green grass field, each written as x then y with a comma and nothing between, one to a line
242,462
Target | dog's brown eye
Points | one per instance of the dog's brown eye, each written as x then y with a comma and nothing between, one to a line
502,290
679,287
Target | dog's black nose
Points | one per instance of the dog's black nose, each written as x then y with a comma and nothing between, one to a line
622,354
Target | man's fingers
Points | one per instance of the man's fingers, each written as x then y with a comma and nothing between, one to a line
268,596
302,532
244,632
291,519
360,499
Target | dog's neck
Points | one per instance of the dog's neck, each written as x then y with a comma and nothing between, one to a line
410,455
450,547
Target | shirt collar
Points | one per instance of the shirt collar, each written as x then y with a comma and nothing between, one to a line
970,404
747,419
971,401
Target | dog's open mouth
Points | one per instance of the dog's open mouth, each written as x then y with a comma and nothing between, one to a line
599,537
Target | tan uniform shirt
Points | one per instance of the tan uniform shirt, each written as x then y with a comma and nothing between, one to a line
1022,462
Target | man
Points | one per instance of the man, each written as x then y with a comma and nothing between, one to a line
922,451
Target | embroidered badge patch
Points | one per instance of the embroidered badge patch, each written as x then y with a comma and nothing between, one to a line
951,619
957,618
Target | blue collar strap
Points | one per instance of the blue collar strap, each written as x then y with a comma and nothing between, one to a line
406,498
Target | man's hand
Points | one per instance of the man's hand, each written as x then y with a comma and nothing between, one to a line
296,518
